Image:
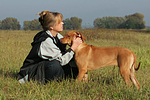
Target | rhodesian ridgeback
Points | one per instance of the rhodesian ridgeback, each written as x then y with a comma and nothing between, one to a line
89,57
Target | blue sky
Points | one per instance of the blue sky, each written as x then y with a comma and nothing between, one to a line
87,10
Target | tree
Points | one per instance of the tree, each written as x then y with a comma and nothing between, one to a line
135,21
6,24
10,24
26,25
76,22
35,25
32,25
67,24
15,24
114,22
72,23
108,22
99,22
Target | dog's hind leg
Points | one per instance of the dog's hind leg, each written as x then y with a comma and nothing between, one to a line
125,63
133,78
125,73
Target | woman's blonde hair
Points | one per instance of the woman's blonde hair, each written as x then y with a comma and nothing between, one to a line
49,19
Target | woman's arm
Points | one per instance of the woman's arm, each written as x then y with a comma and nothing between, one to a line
48,50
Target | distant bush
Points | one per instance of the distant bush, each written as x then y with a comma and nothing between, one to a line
134,21
32,25
72,23
10,24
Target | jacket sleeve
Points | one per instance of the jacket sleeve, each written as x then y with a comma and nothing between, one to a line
48,50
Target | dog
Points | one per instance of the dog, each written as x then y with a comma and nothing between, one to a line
89,58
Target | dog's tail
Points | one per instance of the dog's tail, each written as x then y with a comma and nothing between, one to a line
137,68
135,63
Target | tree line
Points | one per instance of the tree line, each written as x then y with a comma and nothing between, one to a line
134,21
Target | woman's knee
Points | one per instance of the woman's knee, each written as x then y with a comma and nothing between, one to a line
53,70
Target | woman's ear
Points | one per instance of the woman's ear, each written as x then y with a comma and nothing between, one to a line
51,28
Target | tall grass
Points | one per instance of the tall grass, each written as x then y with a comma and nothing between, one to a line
104,83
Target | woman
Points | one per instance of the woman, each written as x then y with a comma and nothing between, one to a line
48,58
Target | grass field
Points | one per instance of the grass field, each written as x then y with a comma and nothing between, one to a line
104,84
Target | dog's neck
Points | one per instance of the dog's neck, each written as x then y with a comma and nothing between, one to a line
71,43
82,45
79,36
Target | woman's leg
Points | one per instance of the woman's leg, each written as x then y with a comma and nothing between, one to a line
53,70
75,72
71,70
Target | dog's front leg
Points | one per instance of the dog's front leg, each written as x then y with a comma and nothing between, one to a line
85,78
82,75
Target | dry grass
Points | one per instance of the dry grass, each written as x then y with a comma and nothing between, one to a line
105,83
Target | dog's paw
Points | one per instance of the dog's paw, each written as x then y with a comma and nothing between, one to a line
85,78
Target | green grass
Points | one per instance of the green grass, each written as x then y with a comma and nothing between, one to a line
104,83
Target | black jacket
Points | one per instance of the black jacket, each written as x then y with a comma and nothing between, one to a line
33,65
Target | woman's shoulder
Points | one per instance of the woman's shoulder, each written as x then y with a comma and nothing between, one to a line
40,34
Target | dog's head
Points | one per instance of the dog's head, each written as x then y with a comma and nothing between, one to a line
68,38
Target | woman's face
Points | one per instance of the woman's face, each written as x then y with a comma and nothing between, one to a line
58,27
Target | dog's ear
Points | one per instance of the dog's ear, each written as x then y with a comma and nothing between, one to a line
80,35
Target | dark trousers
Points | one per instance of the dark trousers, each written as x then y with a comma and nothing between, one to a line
54,71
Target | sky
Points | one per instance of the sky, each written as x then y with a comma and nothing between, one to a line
87,10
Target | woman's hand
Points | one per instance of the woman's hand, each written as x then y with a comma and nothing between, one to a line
76,42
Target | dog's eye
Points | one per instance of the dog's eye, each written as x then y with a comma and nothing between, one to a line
68,36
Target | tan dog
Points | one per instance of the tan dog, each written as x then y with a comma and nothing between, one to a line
89,57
